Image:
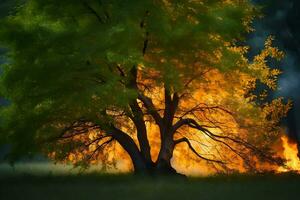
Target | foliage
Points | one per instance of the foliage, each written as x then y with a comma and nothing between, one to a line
85,74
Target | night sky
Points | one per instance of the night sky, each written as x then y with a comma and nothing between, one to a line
283,21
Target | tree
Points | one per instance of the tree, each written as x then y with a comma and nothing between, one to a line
85,75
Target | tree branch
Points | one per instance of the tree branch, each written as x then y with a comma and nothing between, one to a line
143,25
179,124
99,147
194,150
97,139
193,124
150,108
139,122
93,11
138,117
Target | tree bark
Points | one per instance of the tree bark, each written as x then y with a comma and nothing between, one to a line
141,132
163,164
138,160
141,157
139,122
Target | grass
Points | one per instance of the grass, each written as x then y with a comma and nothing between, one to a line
95,186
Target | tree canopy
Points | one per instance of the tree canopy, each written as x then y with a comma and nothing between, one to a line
85,75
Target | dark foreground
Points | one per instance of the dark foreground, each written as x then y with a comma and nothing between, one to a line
91,186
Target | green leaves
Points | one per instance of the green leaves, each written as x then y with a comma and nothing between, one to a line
64,56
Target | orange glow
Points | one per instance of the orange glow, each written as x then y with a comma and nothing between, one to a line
219,101
290,154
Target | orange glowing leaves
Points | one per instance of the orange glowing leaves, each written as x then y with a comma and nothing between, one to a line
217,102
221,101
267,75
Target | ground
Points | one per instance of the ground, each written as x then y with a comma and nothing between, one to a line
95,186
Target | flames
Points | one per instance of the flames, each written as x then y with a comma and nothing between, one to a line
215,89
288,151
185,162
290,154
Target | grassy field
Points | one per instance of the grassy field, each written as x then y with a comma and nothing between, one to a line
93,186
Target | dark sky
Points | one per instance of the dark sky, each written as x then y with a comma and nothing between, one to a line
282,20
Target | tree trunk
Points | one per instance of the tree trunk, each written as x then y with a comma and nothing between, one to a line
138,160
163,164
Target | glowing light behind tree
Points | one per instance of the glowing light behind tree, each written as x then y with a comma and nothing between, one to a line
90,79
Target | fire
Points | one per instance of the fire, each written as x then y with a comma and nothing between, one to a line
290,154
204,99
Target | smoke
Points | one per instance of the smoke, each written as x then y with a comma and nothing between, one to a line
289,82
282,20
